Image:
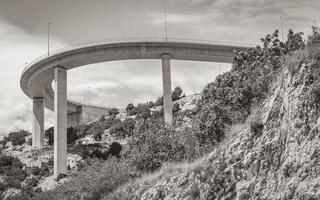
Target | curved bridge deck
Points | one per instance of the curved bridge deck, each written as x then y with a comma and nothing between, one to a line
37,78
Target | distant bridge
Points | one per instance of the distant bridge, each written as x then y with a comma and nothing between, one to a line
37,77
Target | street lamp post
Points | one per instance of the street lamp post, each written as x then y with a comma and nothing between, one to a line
49,38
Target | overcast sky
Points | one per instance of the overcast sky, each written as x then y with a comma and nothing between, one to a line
23,37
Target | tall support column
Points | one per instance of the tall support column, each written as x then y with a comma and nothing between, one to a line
166,80
38,123
60,121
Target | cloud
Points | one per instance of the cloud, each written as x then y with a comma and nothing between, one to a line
173,18
23,38
16,47
191,2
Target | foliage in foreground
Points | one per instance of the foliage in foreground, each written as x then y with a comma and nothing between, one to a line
230,98
151,145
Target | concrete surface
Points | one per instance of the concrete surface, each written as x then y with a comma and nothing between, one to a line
60,121
38,122
166,83
36,80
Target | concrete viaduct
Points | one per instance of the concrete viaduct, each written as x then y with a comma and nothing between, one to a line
37,78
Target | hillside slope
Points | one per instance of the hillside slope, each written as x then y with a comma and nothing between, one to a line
273,155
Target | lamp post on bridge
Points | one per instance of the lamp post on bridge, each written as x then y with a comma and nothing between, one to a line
49,38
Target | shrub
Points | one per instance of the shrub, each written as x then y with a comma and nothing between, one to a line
152,144
97,132
314,38
131,110
115,149
256,128
113,112
35,170
49,134
122,129
176,108
17,138
29,184
229,99
143,111
71,135
177,93
12,170
93,182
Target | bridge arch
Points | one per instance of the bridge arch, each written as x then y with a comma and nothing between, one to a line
37,78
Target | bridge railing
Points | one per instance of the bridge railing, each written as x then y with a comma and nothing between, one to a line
136,39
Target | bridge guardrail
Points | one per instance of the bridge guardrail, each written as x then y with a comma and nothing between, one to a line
136,39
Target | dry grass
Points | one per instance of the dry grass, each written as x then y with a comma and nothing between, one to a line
168,170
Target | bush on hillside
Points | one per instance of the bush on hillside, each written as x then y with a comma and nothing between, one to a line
113,112
93,182
175,108
122,129
154,143
177,93
229,99
49,134
13,172
17,138
314,38
143,111
131,109
71,135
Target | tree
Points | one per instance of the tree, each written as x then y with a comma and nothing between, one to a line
176,93
17,137
49,134
131,109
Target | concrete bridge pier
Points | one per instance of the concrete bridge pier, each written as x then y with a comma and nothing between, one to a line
60,121
75,118
38,122
166,82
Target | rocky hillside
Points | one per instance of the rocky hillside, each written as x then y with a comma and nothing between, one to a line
274,154
251,134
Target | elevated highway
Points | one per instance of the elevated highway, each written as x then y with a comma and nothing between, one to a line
39,76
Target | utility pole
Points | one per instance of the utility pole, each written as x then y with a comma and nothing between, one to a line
165,23
49,38
281,21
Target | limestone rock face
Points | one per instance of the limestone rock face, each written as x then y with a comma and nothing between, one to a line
283,162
